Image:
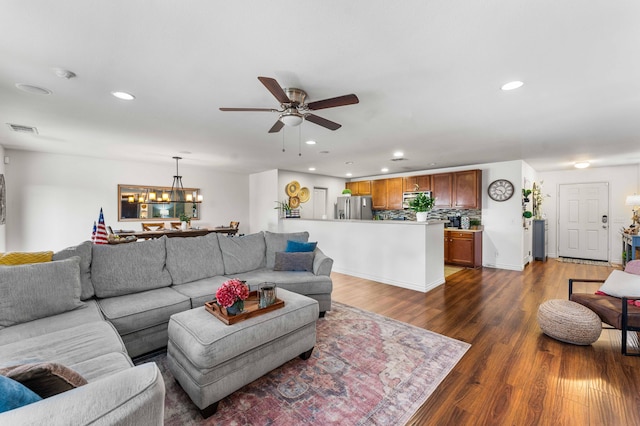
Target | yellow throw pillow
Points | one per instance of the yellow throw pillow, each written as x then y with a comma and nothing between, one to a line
23,258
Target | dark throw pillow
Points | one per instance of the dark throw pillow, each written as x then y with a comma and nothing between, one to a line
298,246
15,395
45,378
298,261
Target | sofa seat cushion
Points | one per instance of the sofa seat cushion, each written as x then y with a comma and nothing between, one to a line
102,366
83,251
90,312
194,258
277,241
299,282
242,254
137,311
68,347
121,269
39,290
201,291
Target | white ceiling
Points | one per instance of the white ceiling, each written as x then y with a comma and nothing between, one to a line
427,73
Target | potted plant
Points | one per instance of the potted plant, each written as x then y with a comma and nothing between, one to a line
231,295
346,192
185,219
285,209
475,223
525,195
421,204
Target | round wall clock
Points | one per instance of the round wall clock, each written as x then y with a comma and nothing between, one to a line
500,190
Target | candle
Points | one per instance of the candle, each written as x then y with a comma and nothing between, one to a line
165,196
152,196
141,199
189,197
200,198
131,199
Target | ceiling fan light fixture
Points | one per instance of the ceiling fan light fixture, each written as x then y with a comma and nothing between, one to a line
291,117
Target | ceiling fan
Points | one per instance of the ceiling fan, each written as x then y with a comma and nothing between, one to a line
294,109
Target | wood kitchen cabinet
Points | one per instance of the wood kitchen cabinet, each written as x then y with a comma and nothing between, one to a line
416,183
467,191
362,187
442,184
463,248
461,190
386,194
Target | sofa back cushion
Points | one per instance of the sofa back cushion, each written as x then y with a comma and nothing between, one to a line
242,254
29,292
84,252
278,242
194,258
121,269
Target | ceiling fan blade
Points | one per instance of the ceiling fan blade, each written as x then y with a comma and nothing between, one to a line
331,125
275,89
249,109
276,127
334,102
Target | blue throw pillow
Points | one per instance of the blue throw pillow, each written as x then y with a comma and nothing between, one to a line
15,395
299,246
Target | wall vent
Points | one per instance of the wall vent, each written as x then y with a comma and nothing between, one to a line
23,129
399,159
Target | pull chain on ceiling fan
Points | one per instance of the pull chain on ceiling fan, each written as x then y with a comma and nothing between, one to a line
294,110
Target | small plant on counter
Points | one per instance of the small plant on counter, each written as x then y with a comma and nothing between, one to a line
421,203
185,218
346,191
475,223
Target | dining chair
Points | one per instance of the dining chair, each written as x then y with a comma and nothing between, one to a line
176,225
152,226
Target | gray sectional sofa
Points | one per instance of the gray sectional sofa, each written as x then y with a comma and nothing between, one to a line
110,303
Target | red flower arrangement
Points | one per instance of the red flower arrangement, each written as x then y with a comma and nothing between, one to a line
231,291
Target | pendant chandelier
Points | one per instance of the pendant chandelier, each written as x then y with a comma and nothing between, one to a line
177,194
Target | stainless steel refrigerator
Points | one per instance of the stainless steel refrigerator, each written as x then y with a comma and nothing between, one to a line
354,207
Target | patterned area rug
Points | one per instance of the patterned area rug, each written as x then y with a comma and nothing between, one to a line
583,261
365,369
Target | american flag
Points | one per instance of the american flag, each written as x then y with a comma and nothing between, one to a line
93,233
101,232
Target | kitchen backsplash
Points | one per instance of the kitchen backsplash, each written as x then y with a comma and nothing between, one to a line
433,214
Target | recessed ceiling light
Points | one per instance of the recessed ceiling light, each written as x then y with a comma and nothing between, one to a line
398,154
512,85
33,89
582,165
312,169
348,163
324,152
349,174
311,142
384,170
124,96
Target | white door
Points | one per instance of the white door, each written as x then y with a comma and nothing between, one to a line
319,203
583,225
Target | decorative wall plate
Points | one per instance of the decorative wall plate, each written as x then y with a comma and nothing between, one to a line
292,188
294,202
303,194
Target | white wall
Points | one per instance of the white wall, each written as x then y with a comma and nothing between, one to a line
53,200
623,181
263,190
334,189
3,228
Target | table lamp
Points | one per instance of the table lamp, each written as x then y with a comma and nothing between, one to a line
634,201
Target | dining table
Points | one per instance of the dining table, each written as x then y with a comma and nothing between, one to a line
171,233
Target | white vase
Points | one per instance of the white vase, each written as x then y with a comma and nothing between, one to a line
422,216
183,226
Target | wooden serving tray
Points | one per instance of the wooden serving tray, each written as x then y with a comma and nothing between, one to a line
251,309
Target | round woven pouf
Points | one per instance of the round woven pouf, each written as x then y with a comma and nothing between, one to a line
569,322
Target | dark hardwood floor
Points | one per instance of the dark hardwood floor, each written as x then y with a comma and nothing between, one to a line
512,374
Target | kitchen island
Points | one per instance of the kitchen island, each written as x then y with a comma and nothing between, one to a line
406,254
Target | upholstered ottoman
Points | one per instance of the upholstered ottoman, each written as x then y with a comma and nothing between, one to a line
569,322
211,360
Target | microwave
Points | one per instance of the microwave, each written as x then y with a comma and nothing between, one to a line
408,196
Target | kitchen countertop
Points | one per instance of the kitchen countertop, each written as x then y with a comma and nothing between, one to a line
462,230
386,222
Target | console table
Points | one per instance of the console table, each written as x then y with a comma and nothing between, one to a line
178,233
629,245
